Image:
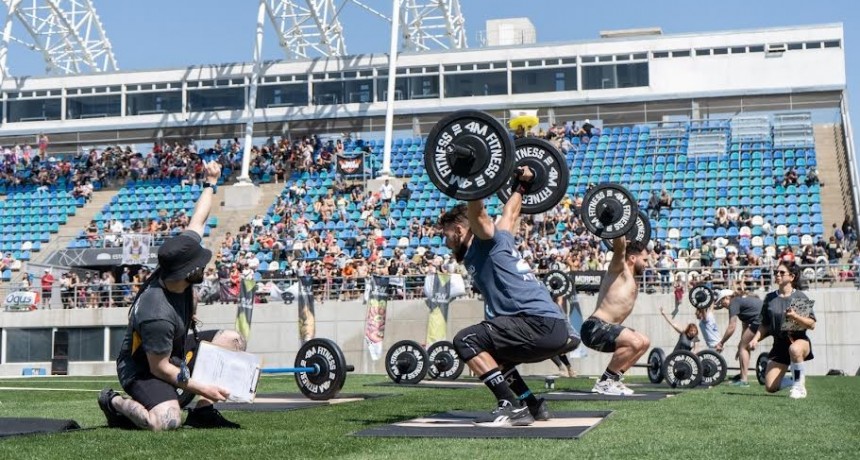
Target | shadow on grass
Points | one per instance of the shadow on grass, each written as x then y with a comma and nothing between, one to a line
761,395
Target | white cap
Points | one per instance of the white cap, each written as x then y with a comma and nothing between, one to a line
723,294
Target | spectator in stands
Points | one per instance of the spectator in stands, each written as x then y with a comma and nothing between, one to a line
43,146
585,130
834,254
679,297
722,218
733,216
790,177
654,206
664,266
812,177
744,218
386,192
404,194
838,233
67,290
666,199
47,287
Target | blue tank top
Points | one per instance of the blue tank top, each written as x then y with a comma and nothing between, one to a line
505,280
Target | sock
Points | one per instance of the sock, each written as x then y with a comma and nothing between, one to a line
495,381
609,375
798,373
519,387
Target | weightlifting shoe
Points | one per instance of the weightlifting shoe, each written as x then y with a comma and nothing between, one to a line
208,417
540,412
506,414
114,418
625,391
798,391
612,388
740,383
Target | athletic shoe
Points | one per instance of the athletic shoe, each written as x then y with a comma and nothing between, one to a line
114,418
208,417
541,411
612,388
623,388
797,392
506,414
740,383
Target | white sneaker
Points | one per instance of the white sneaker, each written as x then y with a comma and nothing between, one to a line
611,387
797,391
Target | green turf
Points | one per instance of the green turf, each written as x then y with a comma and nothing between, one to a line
723,422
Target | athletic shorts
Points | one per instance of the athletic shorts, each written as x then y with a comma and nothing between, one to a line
600,335
779,352
512,340
151,391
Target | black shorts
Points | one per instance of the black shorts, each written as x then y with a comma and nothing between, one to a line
600,335
779,352
752,325
151,391
513,340
46,293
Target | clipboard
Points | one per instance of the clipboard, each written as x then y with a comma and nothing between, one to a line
236,371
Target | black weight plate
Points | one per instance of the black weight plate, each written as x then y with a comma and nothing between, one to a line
640,232
406,362
609,211
761,367
714,367
325,355
655,365
702,297
558,283
551,175
445,363
491,161
682,369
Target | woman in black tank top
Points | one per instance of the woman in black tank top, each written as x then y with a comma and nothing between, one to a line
688,336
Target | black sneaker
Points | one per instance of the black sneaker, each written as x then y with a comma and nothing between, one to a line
506,414
114,418
208,417
541,411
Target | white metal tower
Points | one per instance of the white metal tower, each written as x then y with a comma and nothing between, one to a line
68,34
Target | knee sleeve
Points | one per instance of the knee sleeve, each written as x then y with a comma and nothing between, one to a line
467,342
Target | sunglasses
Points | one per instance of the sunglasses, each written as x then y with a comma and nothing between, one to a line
782,272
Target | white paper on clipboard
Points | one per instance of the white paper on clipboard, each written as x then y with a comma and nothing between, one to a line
237,371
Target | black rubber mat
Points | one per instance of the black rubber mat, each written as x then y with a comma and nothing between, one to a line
23,426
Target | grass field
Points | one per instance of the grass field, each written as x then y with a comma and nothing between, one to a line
723,422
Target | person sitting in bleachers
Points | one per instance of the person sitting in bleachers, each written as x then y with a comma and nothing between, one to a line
666,199
790,177
654,206
812,177
722,218
404,194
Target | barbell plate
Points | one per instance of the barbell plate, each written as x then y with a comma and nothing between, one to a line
655,365
714,367
328,357
682,369
640,232
445,363
558,283
468,155
551,175
609,211
701,297
761,367
406,362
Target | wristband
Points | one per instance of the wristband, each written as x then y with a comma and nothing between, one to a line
214,187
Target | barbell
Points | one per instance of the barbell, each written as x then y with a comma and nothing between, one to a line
684,369
320,370
407,362
469,155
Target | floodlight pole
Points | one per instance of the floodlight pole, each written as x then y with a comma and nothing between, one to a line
251,104
392,73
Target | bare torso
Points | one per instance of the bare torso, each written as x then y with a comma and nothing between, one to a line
618,292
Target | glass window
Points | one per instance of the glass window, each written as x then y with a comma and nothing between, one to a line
282,95
359,91
813,45
93,106
622,57
27,345
757,49
661,54
589,59
739,49
832,44
683,53
116,336
543,80
149,103
476,84
34,110
703,52
415,87
86,344
203,100
328,93
640,56
795,46
615,76
719,51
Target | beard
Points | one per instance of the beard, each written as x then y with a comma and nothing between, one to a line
638,269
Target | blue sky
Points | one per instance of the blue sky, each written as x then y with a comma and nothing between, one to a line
170,33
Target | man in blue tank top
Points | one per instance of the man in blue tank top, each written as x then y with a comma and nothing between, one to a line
522,323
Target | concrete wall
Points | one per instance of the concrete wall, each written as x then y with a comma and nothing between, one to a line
275,333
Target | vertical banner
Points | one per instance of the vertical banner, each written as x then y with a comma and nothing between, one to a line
307,315
135,248
247,288
575,318
440,289
376,296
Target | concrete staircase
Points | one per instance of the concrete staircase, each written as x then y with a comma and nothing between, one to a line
835,197
76,223
229,220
